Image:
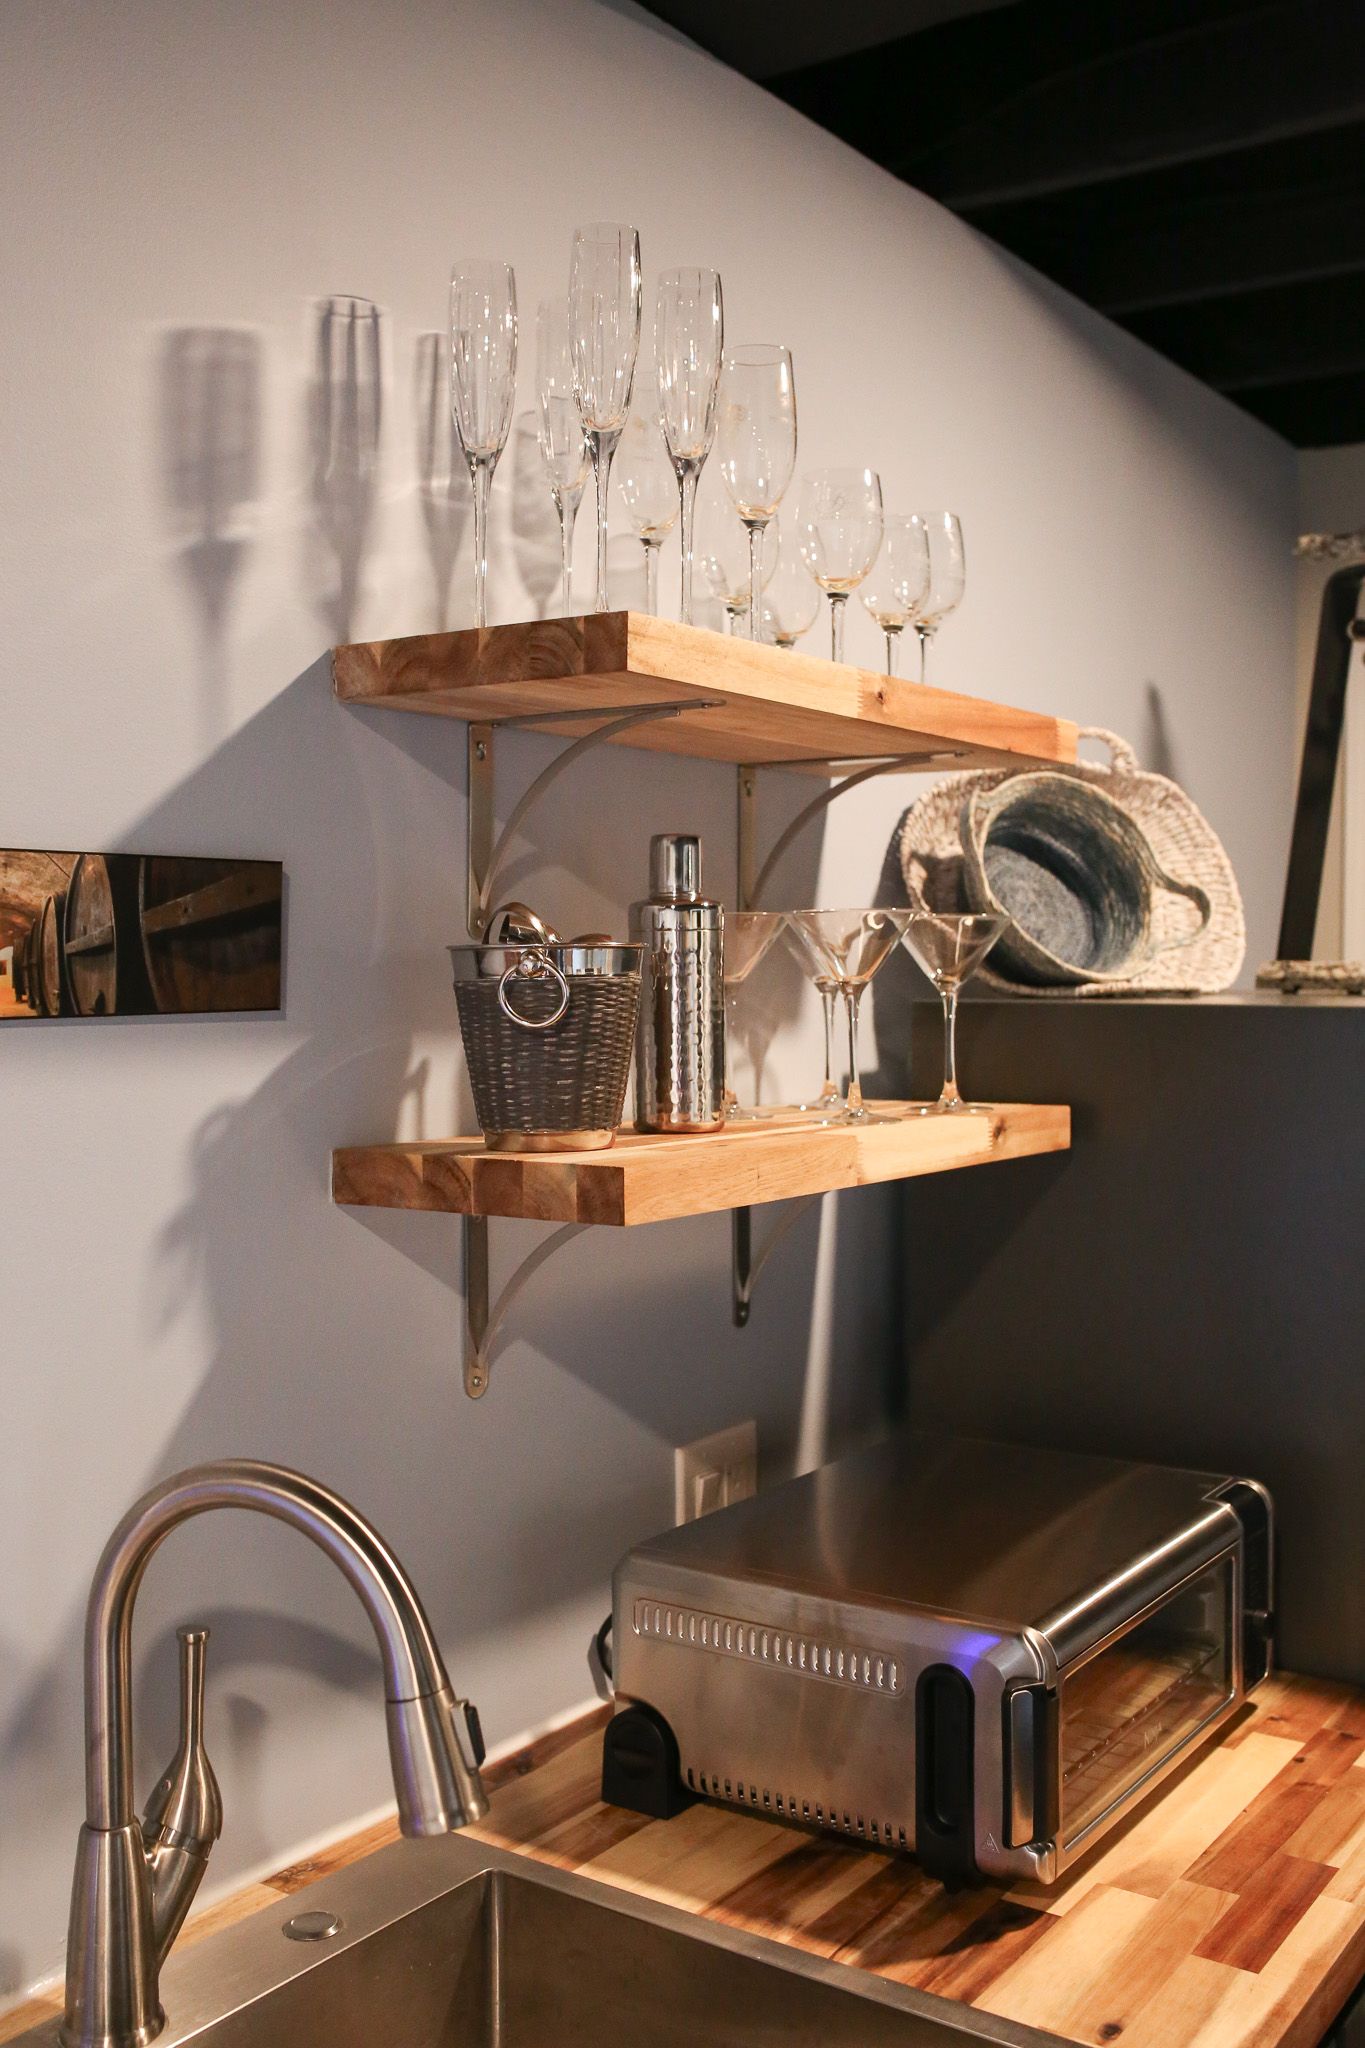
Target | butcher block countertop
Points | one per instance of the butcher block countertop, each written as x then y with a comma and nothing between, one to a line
1228,1912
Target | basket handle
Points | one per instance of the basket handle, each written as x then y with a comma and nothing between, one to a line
533,967
1197,896
1123,758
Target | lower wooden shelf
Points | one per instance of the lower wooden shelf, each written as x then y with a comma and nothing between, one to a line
647,1179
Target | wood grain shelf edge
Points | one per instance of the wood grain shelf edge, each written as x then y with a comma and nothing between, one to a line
644,1179
779,706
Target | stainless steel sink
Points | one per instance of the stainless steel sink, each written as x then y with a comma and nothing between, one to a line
447,1944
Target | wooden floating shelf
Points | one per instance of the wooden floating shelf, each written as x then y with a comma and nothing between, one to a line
775,706
645,1179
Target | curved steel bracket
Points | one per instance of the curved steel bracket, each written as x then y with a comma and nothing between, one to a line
753,880
745,1268
487,848
482,1323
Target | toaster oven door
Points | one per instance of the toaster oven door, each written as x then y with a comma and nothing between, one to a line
1134,1704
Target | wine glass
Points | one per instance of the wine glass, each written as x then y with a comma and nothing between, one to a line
559,428
852,945
841,530
483,382
604,330
898,581
689,330
810,955
950,946
756,442
649,492
725,561
748,935
947,578
791,599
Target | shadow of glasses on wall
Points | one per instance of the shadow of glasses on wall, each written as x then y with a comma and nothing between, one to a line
443,488
344,419
209,404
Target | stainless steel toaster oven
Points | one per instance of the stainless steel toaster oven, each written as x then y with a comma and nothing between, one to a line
977,1652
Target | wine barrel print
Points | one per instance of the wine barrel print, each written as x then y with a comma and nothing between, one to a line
31,972
211,933
104,964
52,990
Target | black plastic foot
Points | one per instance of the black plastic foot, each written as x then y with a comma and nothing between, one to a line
640,1765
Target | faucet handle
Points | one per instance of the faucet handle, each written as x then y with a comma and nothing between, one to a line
185,1808
183,1818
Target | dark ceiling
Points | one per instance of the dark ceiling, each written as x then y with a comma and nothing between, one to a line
1193,168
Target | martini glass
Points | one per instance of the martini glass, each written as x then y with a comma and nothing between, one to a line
950,948
811,957
748,935
851,945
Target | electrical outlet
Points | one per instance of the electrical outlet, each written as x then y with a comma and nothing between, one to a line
715,1471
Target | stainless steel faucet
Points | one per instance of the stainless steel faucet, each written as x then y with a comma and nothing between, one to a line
134,1881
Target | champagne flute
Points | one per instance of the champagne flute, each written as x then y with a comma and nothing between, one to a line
649,492
756,439
689,331
898,581
791,602
559,429
483,382
604,328
841,530
947,578
950,947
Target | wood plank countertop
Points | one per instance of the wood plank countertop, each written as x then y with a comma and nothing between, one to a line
1227,1912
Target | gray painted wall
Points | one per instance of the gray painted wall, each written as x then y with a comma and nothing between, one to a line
1186,1285
184,180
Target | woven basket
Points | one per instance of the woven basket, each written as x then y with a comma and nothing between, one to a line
1179,834
548,1034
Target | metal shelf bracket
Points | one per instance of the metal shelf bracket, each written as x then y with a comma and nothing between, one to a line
482,1323
487,848
753,879
744,1267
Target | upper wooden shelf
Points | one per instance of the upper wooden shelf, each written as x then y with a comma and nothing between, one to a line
645,1179
774,706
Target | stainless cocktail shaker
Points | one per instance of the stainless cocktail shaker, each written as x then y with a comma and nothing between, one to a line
680,1047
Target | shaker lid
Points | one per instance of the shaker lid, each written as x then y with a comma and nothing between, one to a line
675,864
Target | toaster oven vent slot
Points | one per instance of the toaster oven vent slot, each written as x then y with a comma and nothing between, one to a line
811,1813
841,1663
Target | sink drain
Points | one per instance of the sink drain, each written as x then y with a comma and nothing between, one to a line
318,1926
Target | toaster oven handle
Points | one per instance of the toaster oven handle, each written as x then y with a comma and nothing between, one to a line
945,1774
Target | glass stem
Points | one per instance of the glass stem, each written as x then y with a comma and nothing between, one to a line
829,1093
923,651
893,644
950,1089
602,447
687,496
755,527
566,519
482,476
651,548
852,998
837,600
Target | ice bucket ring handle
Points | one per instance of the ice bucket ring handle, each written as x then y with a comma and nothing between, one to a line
534,966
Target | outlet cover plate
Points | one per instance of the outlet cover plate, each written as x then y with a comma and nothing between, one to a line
715,1471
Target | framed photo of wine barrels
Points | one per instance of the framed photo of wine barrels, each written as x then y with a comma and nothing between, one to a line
138,935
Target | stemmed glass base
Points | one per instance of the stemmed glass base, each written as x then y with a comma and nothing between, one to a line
847,947
950,947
